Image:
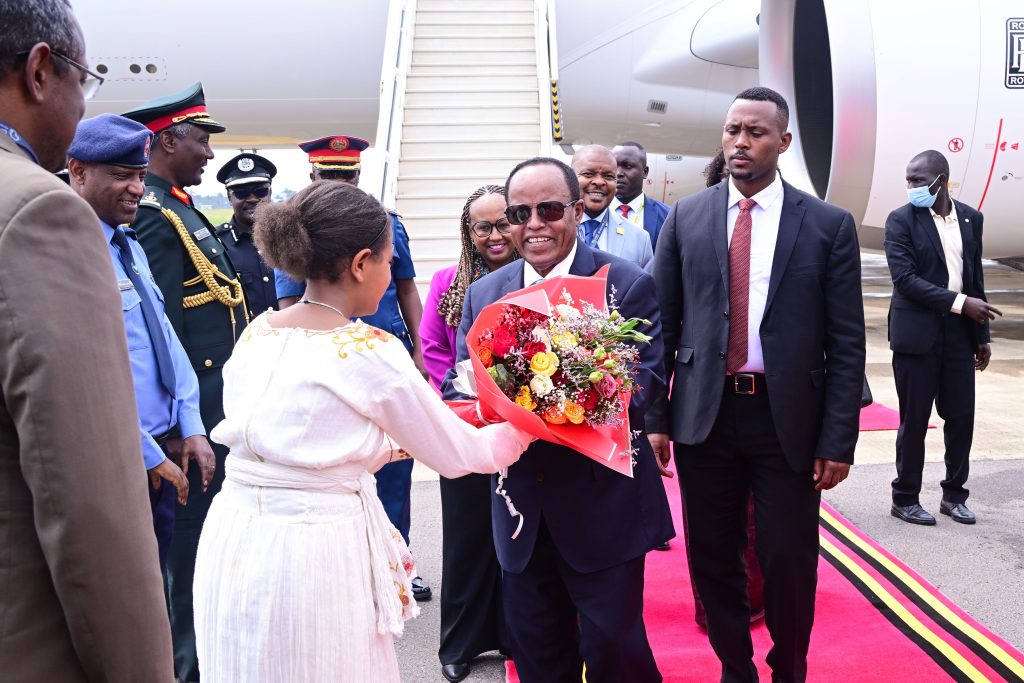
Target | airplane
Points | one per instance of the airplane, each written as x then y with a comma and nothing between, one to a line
870,83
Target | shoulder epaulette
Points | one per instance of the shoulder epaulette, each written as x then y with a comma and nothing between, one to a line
222,228
154,198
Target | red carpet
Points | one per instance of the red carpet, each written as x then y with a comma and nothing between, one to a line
878,418
876,620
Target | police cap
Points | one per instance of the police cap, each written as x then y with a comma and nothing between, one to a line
245,169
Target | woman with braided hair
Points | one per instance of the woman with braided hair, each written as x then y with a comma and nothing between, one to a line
472,621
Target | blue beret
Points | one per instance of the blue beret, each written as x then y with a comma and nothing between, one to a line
112,139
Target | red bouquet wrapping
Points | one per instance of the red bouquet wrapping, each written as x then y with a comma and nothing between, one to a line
553,360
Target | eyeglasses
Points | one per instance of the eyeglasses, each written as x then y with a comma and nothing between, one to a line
548,211
484,229
90,82
259,193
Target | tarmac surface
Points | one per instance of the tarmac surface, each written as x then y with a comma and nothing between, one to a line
980,567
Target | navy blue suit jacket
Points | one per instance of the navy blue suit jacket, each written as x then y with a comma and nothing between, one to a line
917,263
655,213
597,518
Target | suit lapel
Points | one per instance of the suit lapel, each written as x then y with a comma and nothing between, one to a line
583,263
615,239
966,242
514,281
925,222
718,207
789,229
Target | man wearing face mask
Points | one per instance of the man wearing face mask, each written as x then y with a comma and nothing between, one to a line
247,179
938,332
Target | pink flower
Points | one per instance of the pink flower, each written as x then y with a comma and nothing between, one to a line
607,386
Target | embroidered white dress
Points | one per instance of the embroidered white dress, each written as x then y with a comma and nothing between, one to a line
299,575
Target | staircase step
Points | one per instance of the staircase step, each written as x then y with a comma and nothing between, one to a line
472,70
507,147
426,131
491,97
450,204
454,184
525,57
471,41
469,82
417,168
473,113
431,29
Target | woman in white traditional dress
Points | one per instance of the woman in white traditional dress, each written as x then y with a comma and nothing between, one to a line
299,576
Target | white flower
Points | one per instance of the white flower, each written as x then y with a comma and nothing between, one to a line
567,312
541,385
542,335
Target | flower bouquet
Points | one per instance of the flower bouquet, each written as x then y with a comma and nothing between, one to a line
554,360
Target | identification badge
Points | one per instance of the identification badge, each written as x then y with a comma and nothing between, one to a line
125,285
201,234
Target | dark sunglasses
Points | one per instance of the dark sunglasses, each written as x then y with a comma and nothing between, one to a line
259,193
548,211
484,229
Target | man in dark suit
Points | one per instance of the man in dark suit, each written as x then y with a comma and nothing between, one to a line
573,579
630,201
760,295
206,306
938,332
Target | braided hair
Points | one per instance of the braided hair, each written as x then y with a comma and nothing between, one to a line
471,264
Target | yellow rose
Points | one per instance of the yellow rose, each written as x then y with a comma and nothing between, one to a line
573,411
564,341
524,399
544,363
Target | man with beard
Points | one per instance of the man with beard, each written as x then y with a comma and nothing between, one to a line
247,179
79,582
205,304
602,228
630,201
107,168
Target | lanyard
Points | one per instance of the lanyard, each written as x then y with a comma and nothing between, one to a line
600,229
18,140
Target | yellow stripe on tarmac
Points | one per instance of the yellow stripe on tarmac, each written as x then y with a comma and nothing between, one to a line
984,641
904,614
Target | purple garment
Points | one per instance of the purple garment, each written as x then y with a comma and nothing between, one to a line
437,337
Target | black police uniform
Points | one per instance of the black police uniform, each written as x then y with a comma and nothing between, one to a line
256,276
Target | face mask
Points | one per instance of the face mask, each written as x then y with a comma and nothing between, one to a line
922,196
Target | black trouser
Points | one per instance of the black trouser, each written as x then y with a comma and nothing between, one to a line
742,455
943,376
559,618
472,618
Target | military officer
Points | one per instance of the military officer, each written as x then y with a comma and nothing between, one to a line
247,179
337,158
204,302
107,167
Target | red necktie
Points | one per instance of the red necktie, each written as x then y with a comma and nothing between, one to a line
624,209
739,287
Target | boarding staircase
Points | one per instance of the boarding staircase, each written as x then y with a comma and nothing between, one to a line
475,102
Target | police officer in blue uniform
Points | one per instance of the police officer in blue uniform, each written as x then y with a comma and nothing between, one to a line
247,179
107,167
337,157
205,304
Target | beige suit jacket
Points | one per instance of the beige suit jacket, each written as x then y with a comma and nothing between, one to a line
81,597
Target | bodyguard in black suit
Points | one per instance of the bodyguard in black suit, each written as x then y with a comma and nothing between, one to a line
938,332
573,579
764,341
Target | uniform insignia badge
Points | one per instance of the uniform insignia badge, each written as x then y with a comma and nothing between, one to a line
246,164
621,231
150,197
201,234
125,285
180,194
339,144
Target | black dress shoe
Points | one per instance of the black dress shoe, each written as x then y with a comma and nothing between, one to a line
915,514
455,672
958,511
663,546
420,590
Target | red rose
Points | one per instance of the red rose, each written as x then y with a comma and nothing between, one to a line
503,342
531,348
589,399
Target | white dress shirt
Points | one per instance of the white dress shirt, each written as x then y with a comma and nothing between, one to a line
764,233
636,216
953,250
602,241
561,268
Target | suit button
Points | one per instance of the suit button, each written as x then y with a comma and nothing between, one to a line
726,314
539,476
721,354
214,251
266,279
208,363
